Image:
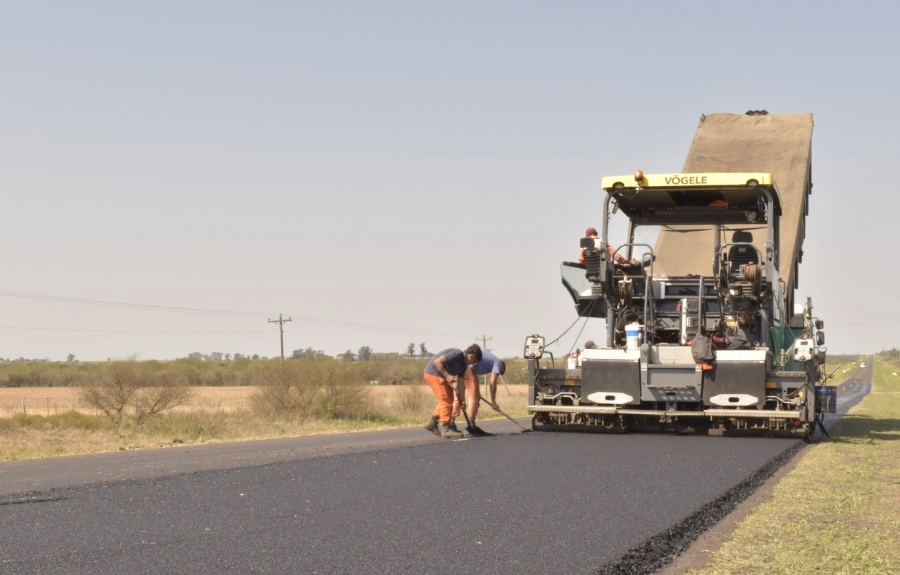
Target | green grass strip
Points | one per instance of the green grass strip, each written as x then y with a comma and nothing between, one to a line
838,510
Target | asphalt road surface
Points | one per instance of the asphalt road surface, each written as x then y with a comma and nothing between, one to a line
399,501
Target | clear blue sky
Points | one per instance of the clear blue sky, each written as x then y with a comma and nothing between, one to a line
396,172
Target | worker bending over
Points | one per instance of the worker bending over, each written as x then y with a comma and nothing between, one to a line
488,364
442,375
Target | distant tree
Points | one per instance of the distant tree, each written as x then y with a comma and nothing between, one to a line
347,356
255,357
411,350
364,353
308,353
238,356
423,351
227,357
70,358
195,355
216,356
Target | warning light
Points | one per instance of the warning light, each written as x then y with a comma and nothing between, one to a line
639,177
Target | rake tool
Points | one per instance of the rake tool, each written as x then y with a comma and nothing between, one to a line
524,429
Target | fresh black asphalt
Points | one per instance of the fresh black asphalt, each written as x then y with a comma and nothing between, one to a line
399,501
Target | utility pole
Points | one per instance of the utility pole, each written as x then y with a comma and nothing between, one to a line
484,339
281,323
484,381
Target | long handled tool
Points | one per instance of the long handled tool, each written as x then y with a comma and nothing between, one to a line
460,396
524,429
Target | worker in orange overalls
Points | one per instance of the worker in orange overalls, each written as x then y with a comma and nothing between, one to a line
442,375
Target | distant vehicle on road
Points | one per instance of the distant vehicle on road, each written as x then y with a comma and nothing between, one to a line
862,364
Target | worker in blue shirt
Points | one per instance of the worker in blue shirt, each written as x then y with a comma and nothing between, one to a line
491,365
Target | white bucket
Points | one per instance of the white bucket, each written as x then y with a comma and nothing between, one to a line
633,335
573,361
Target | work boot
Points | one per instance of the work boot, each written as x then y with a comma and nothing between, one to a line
447,433
476,431
452,425
432,425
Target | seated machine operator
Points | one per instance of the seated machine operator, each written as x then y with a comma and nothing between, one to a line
615,256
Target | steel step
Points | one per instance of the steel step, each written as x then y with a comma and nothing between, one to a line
758,413
570,409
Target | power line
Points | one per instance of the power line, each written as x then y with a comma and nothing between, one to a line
106,303
123,330
230,313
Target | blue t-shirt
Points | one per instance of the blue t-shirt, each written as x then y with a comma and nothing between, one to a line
489,363
454,362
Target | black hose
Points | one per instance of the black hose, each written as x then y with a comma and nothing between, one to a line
819,418
575,342
587,311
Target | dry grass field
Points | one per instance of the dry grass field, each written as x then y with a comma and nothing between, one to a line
55,400
385,398
50,421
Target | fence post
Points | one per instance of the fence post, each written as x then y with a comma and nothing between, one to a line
23,406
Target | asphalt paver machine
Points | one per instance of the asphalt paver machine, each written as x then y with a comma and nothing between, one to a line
702,330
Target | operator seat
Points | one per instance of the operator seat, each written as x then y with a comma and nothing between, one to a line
592,259
743,253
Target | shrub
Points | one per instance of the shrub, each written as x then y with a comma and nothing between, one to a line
310,389
414,400
282,391
127,387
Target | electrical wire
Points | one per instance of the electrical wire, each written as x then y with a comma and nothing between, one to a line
106,303
229,313
123,330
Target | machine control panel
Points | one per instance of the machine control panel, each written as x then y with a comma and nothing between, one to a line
534,346
803,350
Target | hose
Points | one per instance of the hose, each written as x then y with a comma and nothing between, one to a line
819,419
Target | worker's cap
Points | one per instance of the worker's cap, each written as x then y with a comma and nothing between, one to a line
590,345
590,232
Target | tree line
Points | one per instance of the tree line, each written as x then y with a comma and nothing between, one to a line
364,353
890,354
383,369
